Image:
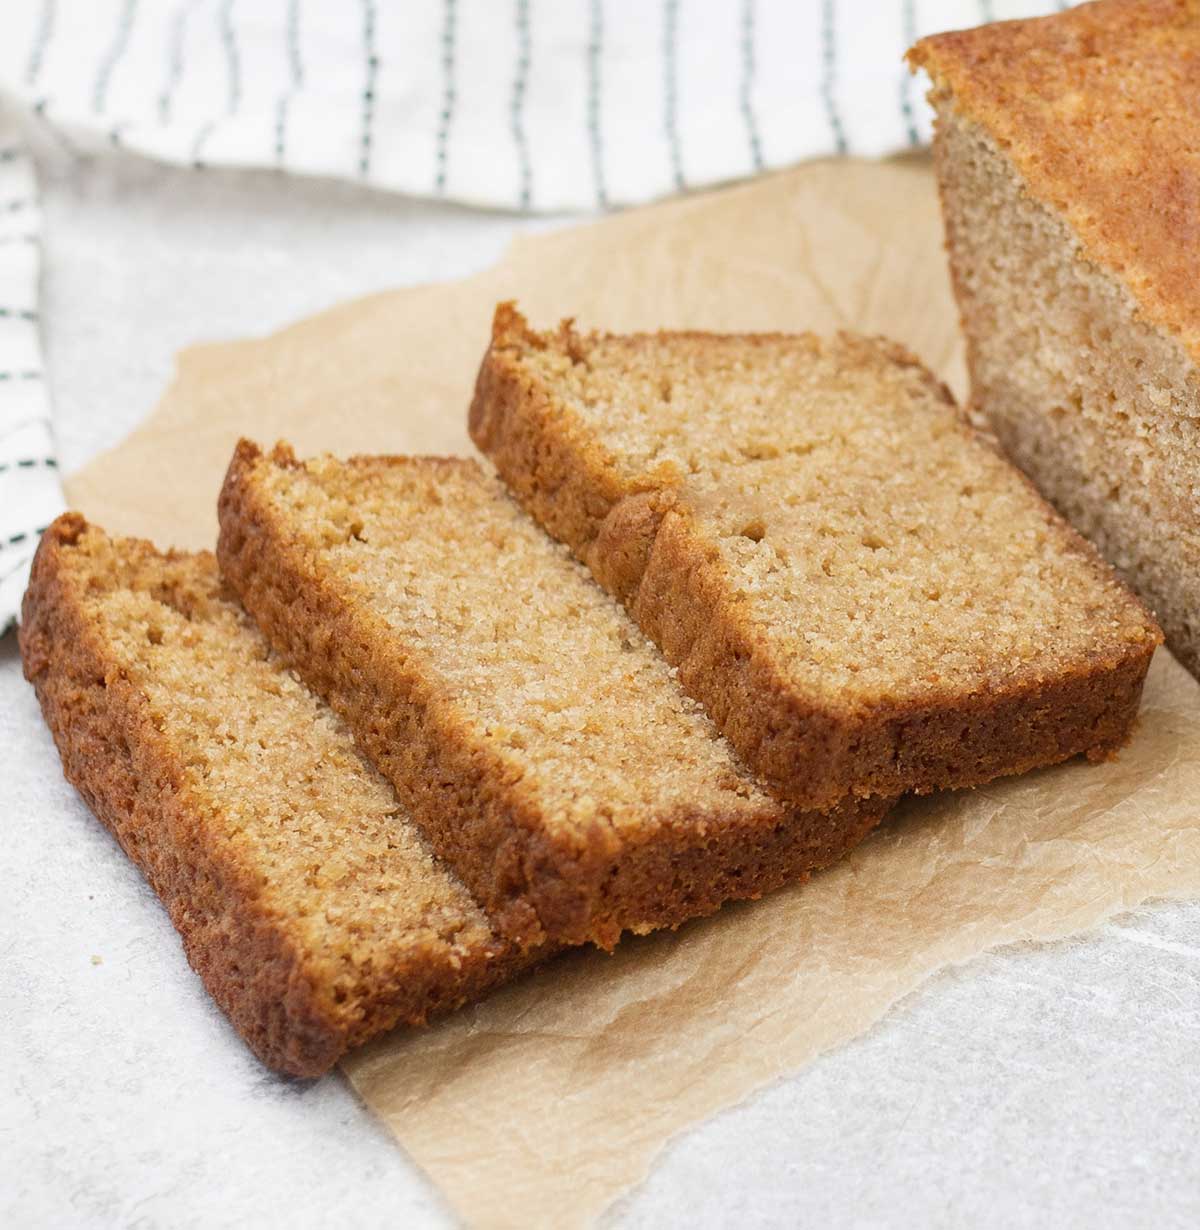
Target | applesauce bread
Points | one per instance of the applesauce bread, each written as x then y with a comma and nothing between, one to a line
307,901
863,594
537,737
1068,159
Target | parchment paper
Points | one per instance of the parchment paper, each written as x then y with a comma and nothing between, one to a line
543,1104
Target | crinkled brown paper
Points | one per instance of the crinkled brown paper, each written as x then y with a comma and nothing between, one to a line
548,1100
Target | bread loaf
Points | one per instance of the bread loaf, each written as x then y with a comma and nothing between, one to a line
538,738
864,595
1068,157
307,901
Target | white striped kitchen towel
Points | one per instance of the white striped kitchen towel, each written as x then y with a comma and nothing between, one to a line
30,493
545,105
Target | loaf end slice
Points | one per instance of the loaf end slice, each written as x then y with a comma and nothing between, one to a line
310,906
538,738
1068,160
863,594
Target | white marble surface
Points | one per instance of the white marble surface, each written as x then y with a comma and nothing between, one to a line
1037,1086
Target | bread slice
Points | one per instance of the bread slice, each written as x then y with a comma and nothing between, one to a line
536,736
862,593
1068,155
307,901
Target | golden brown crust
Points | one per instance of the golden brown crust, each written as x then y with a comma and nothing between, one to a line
642,543
533,880
131,773
1099,109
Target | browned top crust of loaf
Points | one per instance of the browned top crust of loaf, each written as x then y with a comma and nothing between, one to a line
307,902
537,737
861,592
1099,109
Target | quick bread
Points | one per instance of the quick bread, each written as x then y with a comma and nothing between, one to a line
306,900
541,742
1068,157
864,595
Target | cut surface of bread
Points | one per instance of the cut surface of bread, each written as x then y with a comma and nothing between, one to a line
865,596
1068,157
307,901
539,739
